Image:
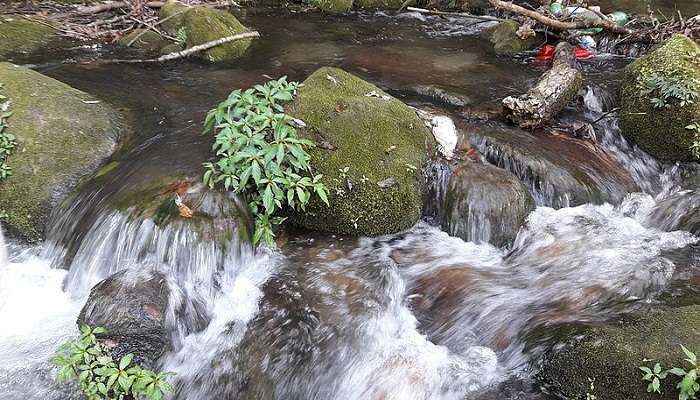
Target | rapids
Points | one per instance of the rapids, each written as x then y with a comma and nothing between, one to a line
411,316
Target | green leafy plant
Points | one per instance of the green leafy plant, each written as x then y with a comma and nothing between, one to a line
100,377
695,145
664,91
261,154
688,387
181,37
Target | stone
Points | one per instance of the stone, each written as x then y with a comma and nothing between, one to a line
360,122
149,41
610,355
203,25
63,134
505,40
24,35
661,131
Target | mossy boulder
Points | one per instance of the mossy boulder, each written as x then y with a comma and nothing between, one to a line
335,6
23,35
149,41
505,39
378,4
63,134
662,131
172,16
206,24
370,149
610,356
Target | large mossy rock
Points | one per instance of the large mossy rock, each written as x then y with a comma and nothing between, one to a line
505,39
381,142
335,6
206,24
662,131
63,134
172,15
22,35
610,356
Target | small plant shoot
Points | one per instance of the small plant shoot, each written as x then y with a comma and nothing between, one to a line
261,155
100,377
688,387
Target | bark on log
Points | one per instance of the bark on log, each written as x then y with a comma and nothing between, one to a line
553,91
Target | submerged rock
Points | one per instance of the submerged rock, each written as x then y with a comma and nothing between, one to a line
604,361
382,143
505,39
206,24
680,211
24,35
560,171
132,305
63,134
661,131
485,204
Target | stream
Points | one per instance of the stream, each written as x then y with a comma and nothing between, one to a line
411,316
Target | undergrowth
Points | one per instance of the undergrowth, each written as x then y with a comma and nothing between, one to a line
261,155
100,377
7,142
688,385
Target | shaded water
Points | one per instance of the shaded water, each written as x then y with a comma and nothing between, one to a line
417,315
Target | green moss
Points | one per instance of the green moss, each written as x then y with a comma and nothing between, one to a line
611,356
23,35
360,128
207,24
378,4
149,41
60,139
661,131
505,39
335,6
174,11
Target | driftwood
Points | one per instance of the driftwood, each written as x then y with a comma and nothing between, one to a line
188,52
553,91
557,25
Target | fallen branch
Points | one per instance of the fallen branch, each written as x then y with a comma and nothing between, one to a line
100,8
560,25
192,50
455,14
550,95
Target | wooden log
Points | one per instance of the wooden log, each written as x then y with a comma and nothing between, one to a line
555,89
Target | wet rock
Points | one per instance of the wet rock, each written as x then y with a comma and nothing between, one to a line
149,41
610,355
360,132
206,24
132,305
505,39
171,48
559,171
335,6
680,211
63,134
378,4
441,95
485,204
446,135
172,15
23,35
661,131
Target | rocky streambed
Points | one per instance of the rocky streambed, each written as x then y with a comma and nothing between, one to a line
462,258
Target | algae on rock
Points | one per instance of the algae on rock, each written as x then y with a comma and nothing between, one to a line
206,24
370,149
662,131
22,35
505,39
611,355
149,41
61,137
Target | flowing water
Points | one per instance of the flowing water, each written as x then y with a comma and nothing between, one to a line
416,315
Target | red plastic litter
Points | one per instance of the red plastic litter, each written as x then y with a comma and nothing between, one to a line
582,54
546,53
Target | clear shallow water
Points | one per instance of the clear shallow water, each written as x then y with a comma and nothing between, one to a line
417,315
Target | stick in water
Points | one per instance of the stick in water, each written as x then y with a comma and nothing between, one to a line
192,50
